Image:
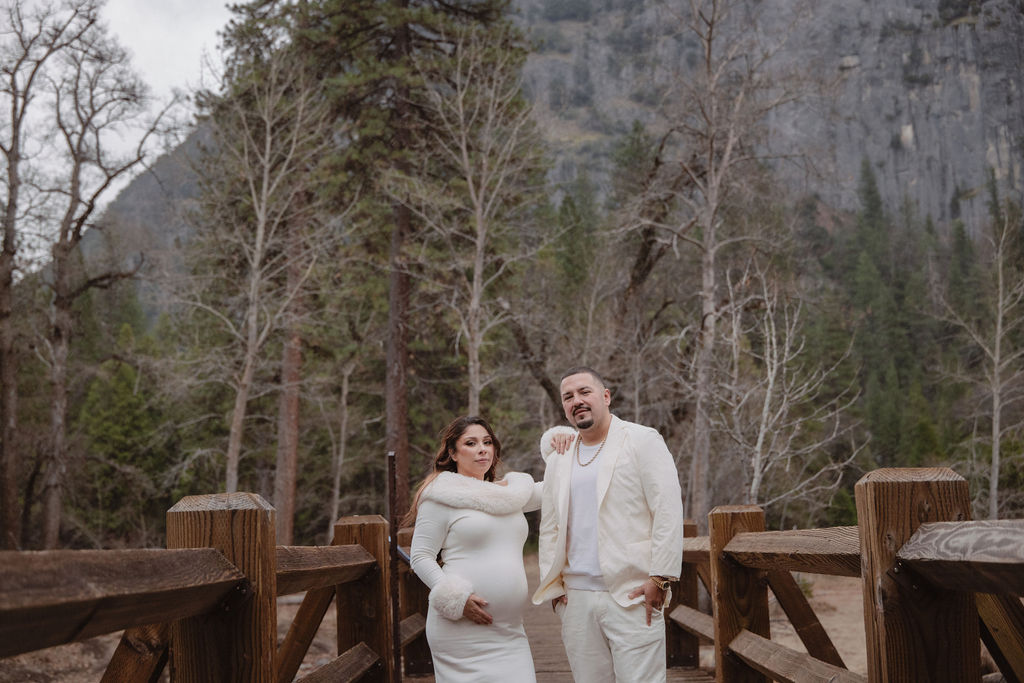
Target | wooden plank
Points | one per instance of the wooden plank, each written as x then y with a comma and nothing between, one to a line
364,608
140,656
704,573
696,550
780,663
303,568
977,557
914,632
739,597
239,644
794,603
694,621
302,631
412,627
350,666
1002,629
834,551
53,597
682,647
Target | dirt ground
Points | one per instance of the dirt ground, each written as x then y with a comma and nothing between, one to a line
839,603
836,600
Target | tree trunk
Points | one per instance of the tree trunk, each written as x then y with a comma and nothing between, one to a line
700,484
396,393
474,337
339,453
997,397
288,405
238,422
60,334
9,461
288,436
10,531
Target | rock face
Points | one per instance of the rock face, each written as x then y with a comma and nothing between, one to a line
931,92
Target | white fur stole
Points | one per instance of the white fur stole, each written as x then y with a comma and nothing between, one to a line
459,491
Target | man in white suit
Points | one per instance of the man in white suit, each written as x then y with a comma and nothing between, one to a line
611,536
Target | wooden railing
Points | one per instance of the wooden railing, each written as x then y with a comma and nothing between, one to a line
932,582
207,605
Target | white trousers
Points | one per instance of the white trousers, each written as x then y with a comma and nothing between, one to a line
607,642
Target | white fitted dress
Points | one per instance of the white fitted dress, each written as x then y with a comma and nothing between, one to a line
479,529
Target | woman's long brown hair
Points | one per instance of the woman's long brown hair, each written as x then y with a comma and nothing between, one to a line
443,461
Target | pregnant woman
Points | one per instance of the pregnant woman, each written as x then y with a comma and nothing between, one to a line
475,621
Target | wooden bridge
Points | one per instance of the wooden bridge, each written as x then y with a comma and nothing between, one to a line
935,586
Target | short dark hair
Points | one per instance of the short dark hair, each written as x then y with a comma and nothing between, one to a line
579,369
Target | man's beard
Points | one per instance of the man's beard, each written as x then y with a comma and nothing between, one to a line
585,422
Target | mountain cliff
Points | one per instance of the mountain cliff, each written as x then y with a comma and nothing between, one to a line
931,92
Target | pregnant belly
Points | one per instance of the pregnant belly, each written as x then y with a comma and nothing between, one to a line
499,581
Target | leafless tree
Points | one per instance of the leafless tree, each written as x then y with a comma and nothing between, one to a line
992,326
774,407
473,176
261,228
90,99
709,162
30,42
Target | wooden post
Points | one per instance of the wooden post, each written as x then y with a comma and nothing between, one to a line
239,642
364,606
682,648
413,595
739,596
914,632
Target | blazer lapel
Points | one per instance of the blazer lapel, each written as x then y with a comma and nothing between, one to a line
564,477
612,449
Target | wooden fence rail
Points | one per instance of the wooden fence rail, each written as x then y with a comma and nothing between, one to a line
935,585
931,582
212,594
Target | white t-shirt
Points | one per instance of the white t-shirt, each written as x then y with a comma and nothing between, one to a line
583,570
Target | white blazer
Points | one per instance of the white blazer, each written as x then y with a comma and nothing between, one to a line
640,512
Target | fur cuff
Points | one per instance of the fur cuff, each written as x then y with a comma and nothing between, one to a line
545,441
449,596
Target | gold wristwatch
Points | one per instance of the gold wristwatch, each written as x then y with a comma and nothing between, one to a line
661,582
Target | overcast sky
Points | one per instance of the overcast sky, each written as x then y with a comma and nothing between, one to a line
167,38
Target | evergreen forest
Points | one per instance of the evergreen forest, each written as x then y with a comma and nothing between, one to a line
378,242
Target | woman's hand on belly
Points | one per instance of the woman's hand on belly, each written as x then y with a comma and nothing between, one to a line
475,612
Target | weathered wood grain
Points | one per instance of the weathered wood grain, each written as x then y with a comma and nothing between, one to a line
1002,629
696,549
364,613
834,551
302,632
239,643
694,621
350,666
780,663
913,631
805,622
739,595
302,568
140,656
58,596
412,627
977,557
681,646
